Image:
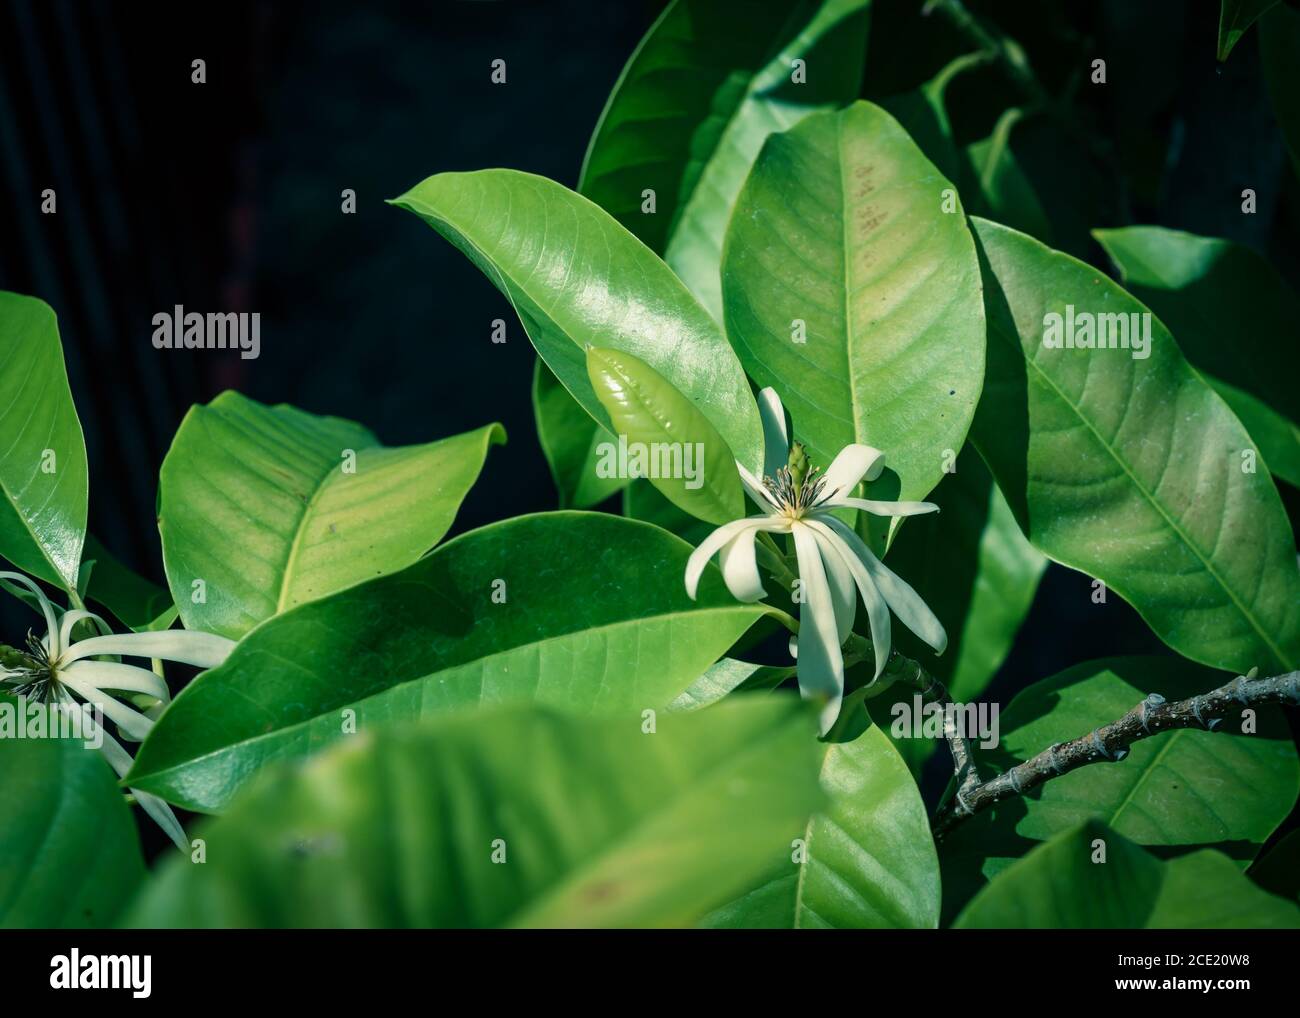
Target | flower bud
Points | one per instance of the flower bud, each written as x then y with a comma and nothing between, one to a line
798,464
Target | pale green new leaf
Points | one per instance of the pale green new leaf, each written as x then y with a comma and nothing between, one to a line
514,817
43,479
669,442
270,507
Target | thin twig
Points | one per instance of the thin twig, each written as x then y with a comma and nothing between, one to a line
1108,744
905,670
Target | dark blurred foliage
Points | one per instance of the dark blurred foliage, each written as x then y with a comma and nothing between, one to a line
226,196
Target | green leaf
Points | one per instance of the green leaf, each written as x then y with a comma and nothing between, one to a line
841,227
971,564
867,860
134,601
726,677
1230,312
643,501
988,172
515,817
923,113
706,86
271,507
1175,790
583,611
1003,189
684,456
43,469
1062,885
1130,468
569,439
69,854
1235,16
575,277
1279,47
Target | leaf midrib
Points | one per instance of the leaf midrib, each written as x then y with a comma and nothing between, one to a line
180,765
684,792
1150,498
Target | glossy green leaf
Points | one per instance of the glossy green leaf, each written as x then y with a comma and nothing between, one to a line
1279,47
707,85
1176,790
726,677
1233,317
1130,468
643,501
514,817
576,278
134,601
971,564
668,441
583,611
271,507
1235,16
1064,885
841,228
69,853
866,861
569,439
43,468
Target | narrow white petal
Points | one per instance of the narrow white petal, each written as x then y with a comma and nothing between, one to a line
844,592
821,666
740,567
754,487
110,675
203,650
877,609
853,464
163,816
120,760
776,440
710,546
868,505
52,630
131,721
905,602
71,618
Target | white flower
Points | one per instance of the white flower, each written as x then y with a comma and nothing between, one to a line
835,565
57,669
